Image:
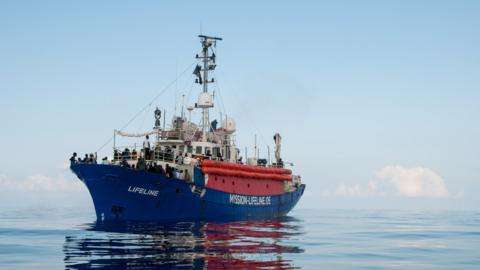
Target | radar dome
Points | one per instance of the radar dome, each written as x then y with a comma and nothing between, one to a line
229,125
205,100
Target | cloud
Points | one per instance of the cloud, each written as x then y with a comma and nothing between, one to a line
39,182
358,191
414,182
408,182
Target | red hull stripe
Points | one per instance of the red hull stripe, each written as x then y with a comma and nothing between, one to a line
244,186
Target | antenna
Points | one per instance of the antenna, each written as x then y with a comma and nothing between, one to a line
255,151
268,150
190,109
176,90
205,100
183,106
164,113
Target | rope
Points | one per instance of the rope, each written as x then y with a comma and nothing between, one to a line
148,105
219,94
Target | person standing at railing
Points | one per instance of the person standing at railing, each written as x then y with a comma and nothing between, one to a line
146,148
73,159
134,154
179,159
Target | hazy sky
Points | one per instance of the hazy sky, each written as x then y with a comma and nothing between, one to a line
378,102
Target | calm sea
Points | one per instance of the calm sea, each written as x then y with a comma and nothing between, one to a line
311,239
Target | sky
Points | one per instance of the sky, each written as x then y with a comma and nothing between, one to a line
378,102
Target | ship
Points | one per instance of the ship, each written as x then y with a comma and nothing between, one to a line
191,171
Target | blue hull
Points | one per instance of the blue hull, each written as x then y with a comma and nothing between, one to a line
120,193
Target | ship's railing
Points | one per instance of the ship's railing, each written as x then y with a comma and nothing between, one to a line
135,152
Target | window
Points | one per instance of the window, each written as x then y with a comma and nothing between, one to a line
181,149
198,150
190,149
216,151
228,152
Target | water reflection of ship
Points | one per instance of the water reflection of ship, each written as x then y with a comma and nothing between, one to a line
237,244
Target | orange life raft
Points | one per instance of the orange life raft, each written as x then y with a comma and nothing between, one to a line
245,171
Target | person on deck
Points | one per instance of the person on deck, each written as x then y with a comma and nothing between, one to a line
126,154
151,167
141,164
73,159
146,148
93,158
168,171
105,161
125,164
160,170
179,159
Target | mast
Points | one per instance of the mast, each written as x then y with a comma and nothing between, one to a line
205,100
